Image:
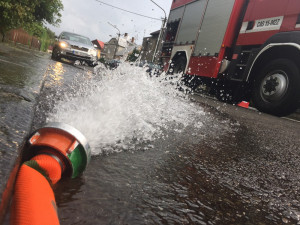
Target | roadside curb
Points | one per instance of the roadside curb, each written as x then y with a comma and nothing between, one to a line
16,116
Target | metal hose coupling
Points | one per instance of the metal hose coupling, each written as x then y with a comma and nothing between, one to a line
53,151
65,144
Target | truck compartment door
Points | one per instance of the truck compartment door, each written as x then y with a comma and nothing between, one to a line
210,37
190,23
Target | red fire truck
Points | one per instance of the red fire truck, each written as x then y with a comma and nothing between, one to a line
241,49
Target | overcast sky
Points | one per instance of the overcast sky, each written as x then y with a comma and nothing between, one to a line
90,18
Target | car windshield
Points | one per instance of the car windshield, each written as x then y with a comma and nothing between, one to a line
76,38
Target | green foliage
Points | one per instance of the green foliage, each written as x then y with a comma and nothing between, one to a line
35,29
133,56
16,13
45,41
102,60
49,11
45,35
38,29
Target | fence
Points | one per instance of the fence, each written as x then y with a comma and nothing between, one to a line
22,37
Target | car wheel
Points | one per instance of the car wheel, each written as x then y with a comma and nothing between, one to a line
92,64
276,89
178,66
55,54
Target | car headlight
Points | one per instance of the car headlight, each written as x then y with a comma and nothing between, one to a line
63,44
92,52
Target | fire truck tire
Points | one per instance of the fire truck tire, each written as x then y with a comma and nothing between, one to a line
276,89
179,65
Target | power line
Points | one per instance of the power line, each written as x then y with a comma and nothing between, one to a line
127,10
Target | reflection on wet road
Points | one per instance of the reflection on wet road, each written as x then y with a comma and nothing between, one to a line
201,166
21,77
56,74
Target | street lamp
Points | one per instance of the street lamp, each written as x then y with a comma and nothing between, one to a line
160,32
119,33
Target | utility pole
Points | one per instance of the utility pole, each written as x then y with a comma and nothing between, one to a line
119,33
160,31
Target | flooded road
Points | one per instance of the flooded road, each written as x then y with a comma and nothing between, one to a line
159,156
163,157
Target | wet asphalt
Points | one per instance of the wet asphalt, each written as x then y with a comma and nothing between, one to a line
21,77
245,173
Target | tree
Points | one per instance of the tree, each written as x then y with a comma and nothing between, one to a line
133,56
35,29
39,30
16,13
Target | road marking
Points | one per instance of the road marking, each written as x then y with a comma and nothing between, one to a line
291,119
12,63
250,108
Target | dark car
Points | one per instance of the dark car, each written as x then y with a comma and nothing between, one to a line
154,69
74,47
141,63
113,64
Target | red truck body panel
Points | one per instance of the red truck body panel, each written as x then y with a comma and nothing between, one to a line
208,66
178,3
258,10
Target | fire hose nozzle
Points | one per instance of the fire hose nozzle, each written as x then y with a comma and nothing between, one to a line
55,150
64,143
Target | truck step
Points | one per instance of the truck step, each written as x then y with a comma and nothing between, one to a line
241,65
247,51
236,79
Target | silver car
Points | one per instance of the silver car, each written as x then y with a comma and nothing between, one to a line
74,47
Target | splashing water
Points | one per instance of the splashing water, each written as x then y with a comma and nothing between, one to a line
118,109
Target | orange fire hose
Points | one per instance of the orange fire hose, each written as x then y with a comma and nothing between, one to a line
58,150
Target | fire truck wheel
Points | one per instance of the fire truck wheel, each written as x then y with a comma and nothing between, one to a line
275,89
179,65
